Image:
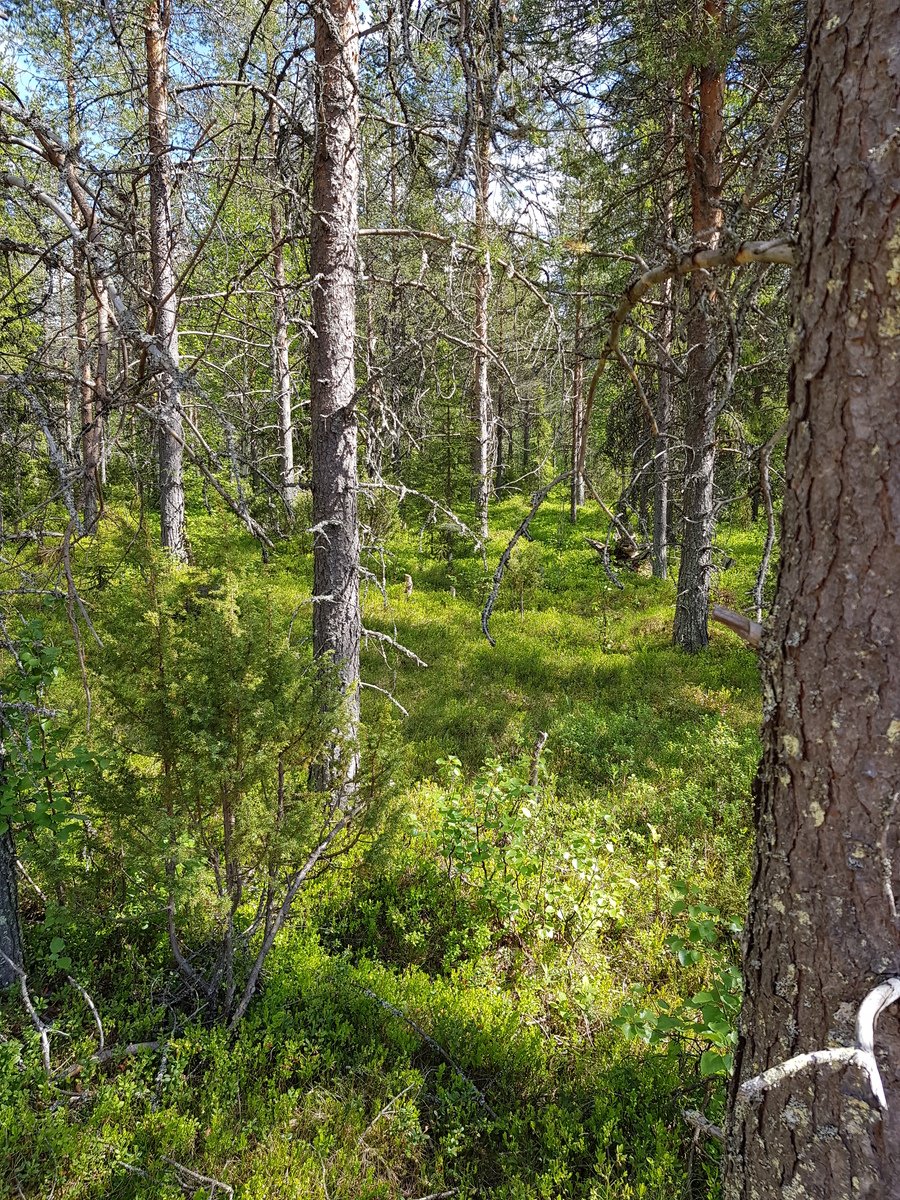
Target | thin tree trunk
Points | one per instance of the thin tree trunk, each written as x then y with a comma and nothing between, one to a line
336,616
501,409
282,361
481,395
90,433
664,332
10,925
704,166
163,301
823,928
526,434
101,379
576,495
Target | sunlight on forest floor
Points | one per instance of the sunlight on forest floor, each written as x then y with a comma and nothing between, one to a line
511,926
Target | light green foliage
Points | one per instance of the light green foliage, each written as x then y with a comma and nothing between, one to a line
500,841
43,770
512,924
708,1018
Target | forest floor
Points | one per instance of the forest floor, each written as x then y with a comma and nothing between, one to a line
488,999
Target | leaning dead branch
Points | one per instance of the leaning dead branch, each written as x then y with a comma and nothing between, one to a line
43,1030
522,531
779,250
435,1046
750,631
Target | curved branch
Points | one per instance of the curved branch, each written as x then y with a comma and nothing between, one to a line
780,250
504,557
862,1053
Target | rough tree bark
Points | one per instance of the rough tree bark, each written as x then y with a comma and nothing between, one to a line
282,361
336,617
823,928
664,331
163,301
10,926
703,160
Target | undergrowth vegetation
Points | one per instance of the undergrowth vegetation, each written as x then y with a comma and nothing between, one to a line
520,970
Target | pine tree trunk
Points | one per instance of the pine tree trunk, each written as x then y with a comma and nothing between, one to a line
90,433
660,555
282,362
823,930
163,301
10,925
576,492
703,160
481,396
336,620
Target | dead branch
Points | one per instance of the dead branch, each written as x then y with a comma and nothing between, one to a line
522,531
435,1046
862,1053
89,1002
780,250
386,637
207,1180
111,1052
703,1124
750,631
43,1030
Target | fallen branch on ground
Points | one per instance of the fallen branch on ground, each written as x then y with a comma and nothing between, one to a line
435,1046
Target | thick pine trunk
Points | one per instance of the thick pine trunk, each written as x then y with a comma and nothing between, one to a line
823,930
703,160
163,301
282,361
481,396
336,616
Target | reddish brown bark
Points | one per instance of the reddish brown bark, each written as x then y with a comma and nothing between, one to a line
703,161
822,930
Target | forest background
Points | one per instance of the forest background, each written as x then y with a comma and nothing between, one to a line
384,928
